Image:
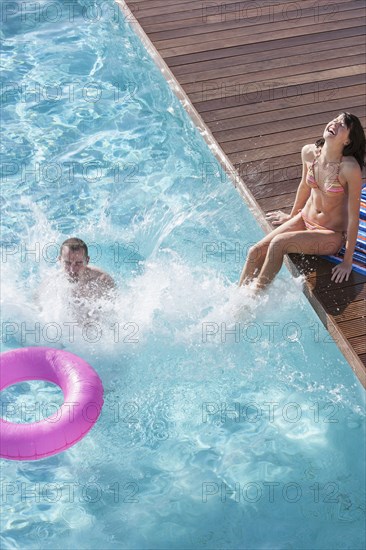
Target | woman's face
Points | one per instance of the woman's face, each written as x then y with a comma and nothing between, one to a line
336,130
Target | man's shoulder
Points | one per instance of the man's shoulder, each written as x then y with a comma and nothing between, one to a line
92,269
95,273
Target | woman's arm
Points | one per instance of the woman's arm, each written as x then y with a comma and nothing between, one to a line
302,194
352,173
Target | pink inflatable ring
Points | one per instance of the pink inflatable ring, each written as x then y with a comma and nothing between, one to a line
83,401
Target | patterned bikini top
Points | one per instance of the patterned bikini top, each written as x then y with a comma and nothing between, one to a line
334,187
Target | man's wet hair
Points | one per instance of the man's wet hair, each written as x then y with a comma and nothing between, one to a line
74,244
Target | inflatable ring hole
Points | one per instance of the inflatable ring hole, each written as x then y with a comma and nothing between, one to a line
30,401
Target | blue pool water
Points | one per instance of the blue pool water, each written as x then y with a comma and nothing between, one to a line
223,426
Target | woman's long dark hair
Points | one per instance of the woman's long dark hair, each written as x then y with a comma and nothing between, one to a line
356,147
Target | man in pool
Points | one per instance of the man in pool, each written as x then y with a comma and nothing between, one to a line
89,281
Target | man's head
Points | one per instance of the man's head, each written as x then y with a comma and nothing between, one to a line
74,257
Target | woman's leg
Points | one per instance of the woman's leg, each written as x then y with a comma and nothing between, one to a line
257,253
317,242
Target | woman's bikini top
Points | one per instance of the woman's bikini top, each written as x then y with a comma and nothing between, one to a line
333,187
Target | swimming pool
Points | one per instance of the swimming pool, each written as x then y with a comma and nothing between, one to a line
221,428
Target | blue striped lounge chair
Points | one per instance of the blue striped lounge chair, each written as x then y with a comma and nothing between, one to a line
359,256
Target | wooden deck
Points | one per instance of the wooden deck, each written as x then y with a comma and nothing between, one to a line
265,77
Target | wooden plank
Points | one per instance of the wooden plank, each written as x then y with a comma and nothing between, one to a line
256,87
346,97
187,11
230,36
336,297
268,122
352,328
237,10
276,189
267,61
265,145
358,344
147,4
193,16
323,282
281,202
354,310
247,38
270,170
267,153
307,117
190,72
270,131
187,5
255,152
357,31
260,73
232,20
317,267
272,99
319,273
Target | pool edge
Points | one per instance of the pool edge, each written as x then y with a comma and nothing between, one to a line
339,339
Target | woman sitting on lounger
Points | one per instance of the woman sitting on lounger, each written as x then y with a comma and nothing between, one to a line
325,215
